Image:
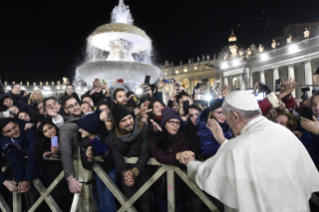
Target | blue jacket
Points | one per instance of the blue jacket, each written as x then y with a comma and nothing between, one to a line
208,143
24,146
311,143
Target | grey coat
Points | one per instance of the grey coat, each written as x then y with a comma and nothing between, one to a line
69,142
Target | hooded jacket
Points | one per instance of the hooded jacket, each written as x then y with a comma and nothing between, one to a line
208,143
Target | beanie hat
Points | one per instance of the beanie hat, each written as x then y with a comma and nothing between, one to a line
215,103
119,112
169,113
90,123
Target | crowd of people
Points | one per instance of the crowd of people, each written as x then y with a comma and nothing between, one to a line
115,122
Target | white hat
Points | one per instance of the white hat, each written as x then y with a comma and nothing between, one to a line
242,100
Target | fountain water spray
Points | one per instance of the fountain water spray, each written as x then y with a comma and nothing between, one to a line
119,50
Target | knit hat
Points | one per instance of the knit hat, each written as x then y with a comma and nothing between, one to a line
215,103
169,113
90,123
119,112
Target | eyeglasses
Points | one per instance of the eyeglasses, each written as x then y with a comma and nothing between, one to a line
174,123
72,106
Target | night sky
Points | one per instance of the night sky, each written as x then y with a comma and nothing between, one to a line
46,41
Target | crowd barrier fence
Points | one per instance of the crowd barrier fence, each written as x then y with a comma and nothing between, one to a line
84,202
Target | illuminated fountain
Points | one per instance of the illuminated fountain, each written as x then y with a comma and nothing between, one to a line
119,50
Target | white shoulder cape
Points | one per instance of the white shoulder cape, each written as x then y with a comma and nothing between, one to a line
264,169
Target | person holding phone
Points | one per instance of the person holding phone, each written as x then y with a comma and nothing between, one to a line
208,143
92,145
48,146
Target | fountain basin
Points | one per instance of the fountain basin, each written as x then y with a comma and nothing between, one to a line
132,72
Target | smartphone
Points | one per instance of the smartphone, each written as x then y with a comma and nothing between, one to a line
305,89
104,81
54,141
120,80
166,81
277,85
272,98
94,87
172,81
185,107
260,96
147,80
307,113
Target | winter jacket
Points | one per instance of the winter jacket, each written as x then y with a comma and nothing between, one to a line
168,155
19,100
193,140
69,142
135,148
208,143
311,143
107,165
23,146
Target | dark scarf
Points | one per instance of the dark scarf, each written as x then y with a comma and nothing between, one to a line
130,136
193,140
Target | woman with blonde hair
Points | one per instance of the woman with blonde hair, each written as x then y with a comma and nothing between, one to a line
35,98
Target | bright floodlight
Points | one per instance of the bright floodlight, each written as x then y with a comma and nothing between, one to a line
208,97
57,87
35,88
236,62
293,49
224,65
264,57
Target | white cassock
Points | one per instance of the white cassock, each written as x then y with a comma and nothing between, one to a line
264,169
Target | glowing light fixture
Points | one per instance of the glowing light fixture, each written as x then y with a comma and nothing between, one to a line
57,87
208,97
35,88
224,65
293,49
236,62
264,57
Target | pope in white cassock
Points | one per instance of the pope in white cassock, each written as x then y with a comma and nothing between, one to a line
265,168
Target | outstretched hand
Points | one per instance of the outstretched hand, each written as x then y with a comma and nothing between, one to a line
156,127
216,130
225,91
311,126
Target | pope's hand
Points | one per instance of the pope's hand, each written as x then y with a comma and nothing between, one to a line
216,131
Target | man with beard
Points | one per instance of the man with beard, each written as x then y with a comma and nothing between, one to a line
69,140
120,97
17,141
130,139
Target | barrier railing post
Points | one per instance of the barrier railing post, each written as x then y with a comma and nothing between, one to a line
3,205
16,201
170,190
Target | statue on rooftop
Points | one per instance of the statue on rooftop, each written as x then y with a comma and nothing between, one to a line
233,50
214,56
198,59
306,33
261,48
248,52
225,56
241,52
274,44
208,57
289,39
189,60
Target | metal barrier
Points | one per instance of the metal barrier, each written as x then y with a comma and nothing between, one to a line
84,202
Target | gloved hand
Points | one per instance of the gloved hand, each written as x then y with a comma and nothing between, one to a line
98,147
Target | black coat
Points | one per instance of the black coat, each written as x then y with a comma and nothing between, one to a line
137,148
107,165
